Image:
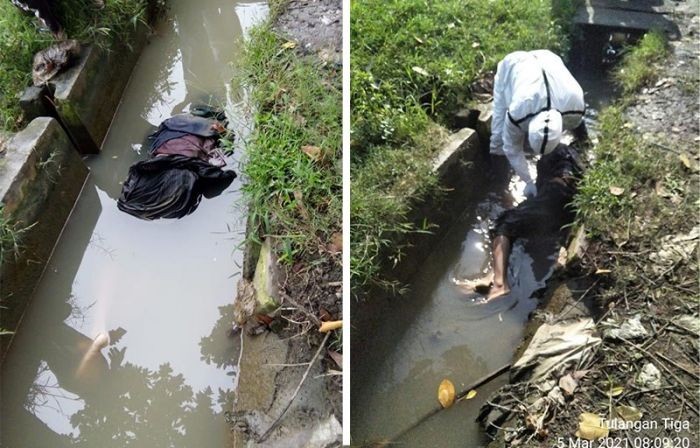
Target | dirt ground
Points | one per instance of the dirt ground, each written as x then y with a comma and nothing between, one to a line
316,25
654,368
277,354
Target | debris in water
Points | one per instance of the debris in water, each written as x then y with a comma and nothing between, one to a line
446,393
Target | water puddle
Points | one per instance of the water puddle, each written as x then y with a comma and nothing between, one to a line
162,289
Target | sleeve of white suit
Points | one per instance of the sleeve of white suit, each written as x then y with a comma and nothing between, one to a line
499,112
513,143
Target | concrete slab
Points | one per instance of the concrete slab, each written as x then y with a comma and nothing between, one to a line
622,19
41,177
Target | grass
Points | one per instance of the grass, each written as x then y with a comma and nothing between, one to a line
412,64
638,192
20,40
639,68
656,193
293,167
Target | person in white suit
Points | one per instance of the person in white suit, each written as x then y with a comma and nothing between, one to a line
534,96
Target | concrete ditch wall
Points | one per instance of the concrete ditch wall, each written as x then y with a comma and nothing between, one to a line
85,97
41,177
462,167
41,170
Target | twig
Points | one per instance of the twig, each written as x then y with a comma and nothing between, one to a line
313,318
693,374
493,375
296,391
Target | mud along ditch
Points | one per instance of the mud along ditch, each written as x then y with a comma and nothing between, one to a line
162,290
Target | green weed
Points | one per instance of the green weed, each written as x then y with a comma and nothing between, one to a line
20,40
412,64
293,166
640,66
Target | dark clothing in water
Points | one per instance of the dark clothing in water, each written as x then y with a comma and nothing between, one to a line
179,126
180,171
557,176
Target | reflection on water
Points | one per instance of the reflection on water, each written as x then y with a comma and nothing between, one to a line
162,290
439,332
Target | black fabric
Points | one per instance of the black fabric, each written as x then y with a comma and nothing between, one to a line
43,9
545,214
171,186
178,126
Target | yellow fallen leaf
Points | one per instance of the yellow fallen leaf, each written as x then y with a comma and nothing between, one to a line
314,152
685,159
629,413
471,394
289,45
446,393
616,191
615,391
330,326
591,427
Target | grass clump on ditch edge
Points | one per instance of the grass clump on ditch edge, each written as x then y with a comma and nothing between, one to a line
293,166
20,40
413,63
639,68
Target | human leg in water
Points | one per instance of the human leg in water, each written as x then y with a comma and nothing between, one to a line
495,283
93,355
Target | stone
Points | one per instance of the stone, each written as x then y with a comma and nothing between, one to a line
649,377
266,280
629,329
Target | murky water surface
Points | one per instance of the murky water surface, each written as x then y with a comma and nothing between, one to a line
439,332
161,289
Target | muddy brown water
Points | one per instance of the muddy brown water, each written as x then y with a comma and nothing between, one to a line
438,332
162,289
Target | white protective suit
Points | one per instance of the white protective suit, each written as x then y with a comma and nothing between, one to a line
527,83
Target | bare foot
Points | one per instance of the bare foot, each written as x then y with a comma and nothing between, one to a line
497,291
481,285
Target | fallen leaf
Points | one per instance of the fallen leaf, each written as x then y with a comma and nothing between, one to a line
420,70
685,159
590,427
324,314
615,391
336,245
616,191
568,384
263,319
330,326
629,413
314,152
446,393
337,357
289,45
471,394
580,374
299,198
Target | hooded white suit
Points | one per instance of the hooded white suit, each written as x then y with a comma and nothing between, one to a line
527,83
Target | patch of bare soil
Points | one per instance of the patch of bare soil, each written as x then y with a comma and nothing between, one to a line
643,294
316,25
